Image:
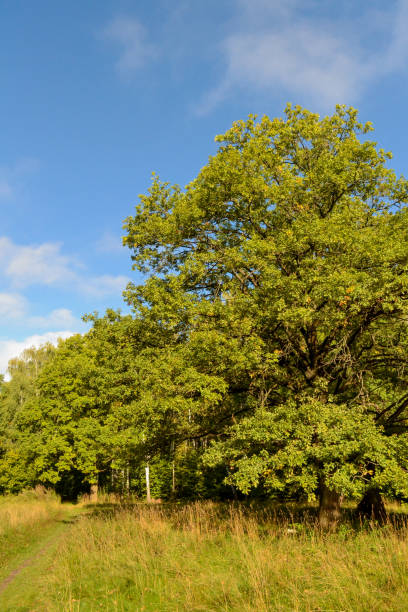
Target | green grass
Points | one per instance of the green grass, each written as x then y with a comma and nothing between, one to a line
197,557
208,557
31,525
23,520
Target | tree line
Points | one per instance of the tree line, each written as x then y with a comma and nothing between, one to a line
266,352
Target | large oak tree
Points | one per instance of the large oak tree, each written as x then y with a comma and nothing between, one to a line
284,268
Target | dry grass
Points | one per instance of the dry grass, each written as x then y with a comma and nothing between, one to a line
212,557
27,509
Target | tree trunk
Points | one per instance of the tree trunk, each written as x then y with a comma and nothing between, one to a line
372,506
93,497
148,497
329,508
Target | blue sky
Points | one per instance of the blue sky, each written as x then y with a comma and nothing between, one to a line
96,95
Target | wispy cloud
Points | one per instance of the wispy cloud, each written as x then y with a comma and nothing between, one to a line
13,306
13,176
47,265
278,47
15,310
106,284
56,319
109,243
396,54
39,265
135,49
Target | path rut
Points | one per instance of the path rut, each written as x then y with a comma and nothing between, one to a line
35,556
26,563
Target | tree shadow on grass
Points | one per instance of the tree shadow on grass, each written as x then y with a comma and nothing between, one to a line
292,517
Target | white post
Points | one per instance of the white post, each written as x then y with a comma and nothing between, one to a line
148,499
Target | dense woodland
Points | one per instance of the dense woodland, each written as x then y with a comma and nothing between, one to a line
266,353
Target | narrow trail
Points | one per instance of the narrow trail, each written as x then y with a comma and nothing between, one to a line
38,552
26,563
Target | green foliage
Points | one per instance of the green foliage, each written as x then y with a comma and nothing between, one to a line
267,349
16,471
299,445
283,266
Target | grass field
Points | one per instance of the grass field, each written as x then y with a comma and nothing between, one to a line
214,557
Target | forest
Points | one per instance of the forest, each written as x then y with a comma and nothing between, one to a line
265,353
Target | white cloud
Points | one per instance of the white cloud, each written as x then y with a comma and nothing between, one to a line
14,348
45,264
135,49
319,63
14,309
104,285
60,317
277,47
6,248
12,306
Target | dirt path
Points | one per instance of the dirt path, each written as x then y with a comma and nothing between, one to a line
4,584
26,563
25,571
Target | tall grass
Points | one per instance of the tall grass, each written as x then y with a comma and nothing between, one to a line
27,509
208,557
22,521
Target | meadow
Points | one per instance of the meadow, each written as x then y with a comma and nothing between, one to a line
208,557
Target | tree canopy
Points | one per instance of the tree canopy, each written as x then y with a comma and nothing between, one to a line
270,335
289,250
